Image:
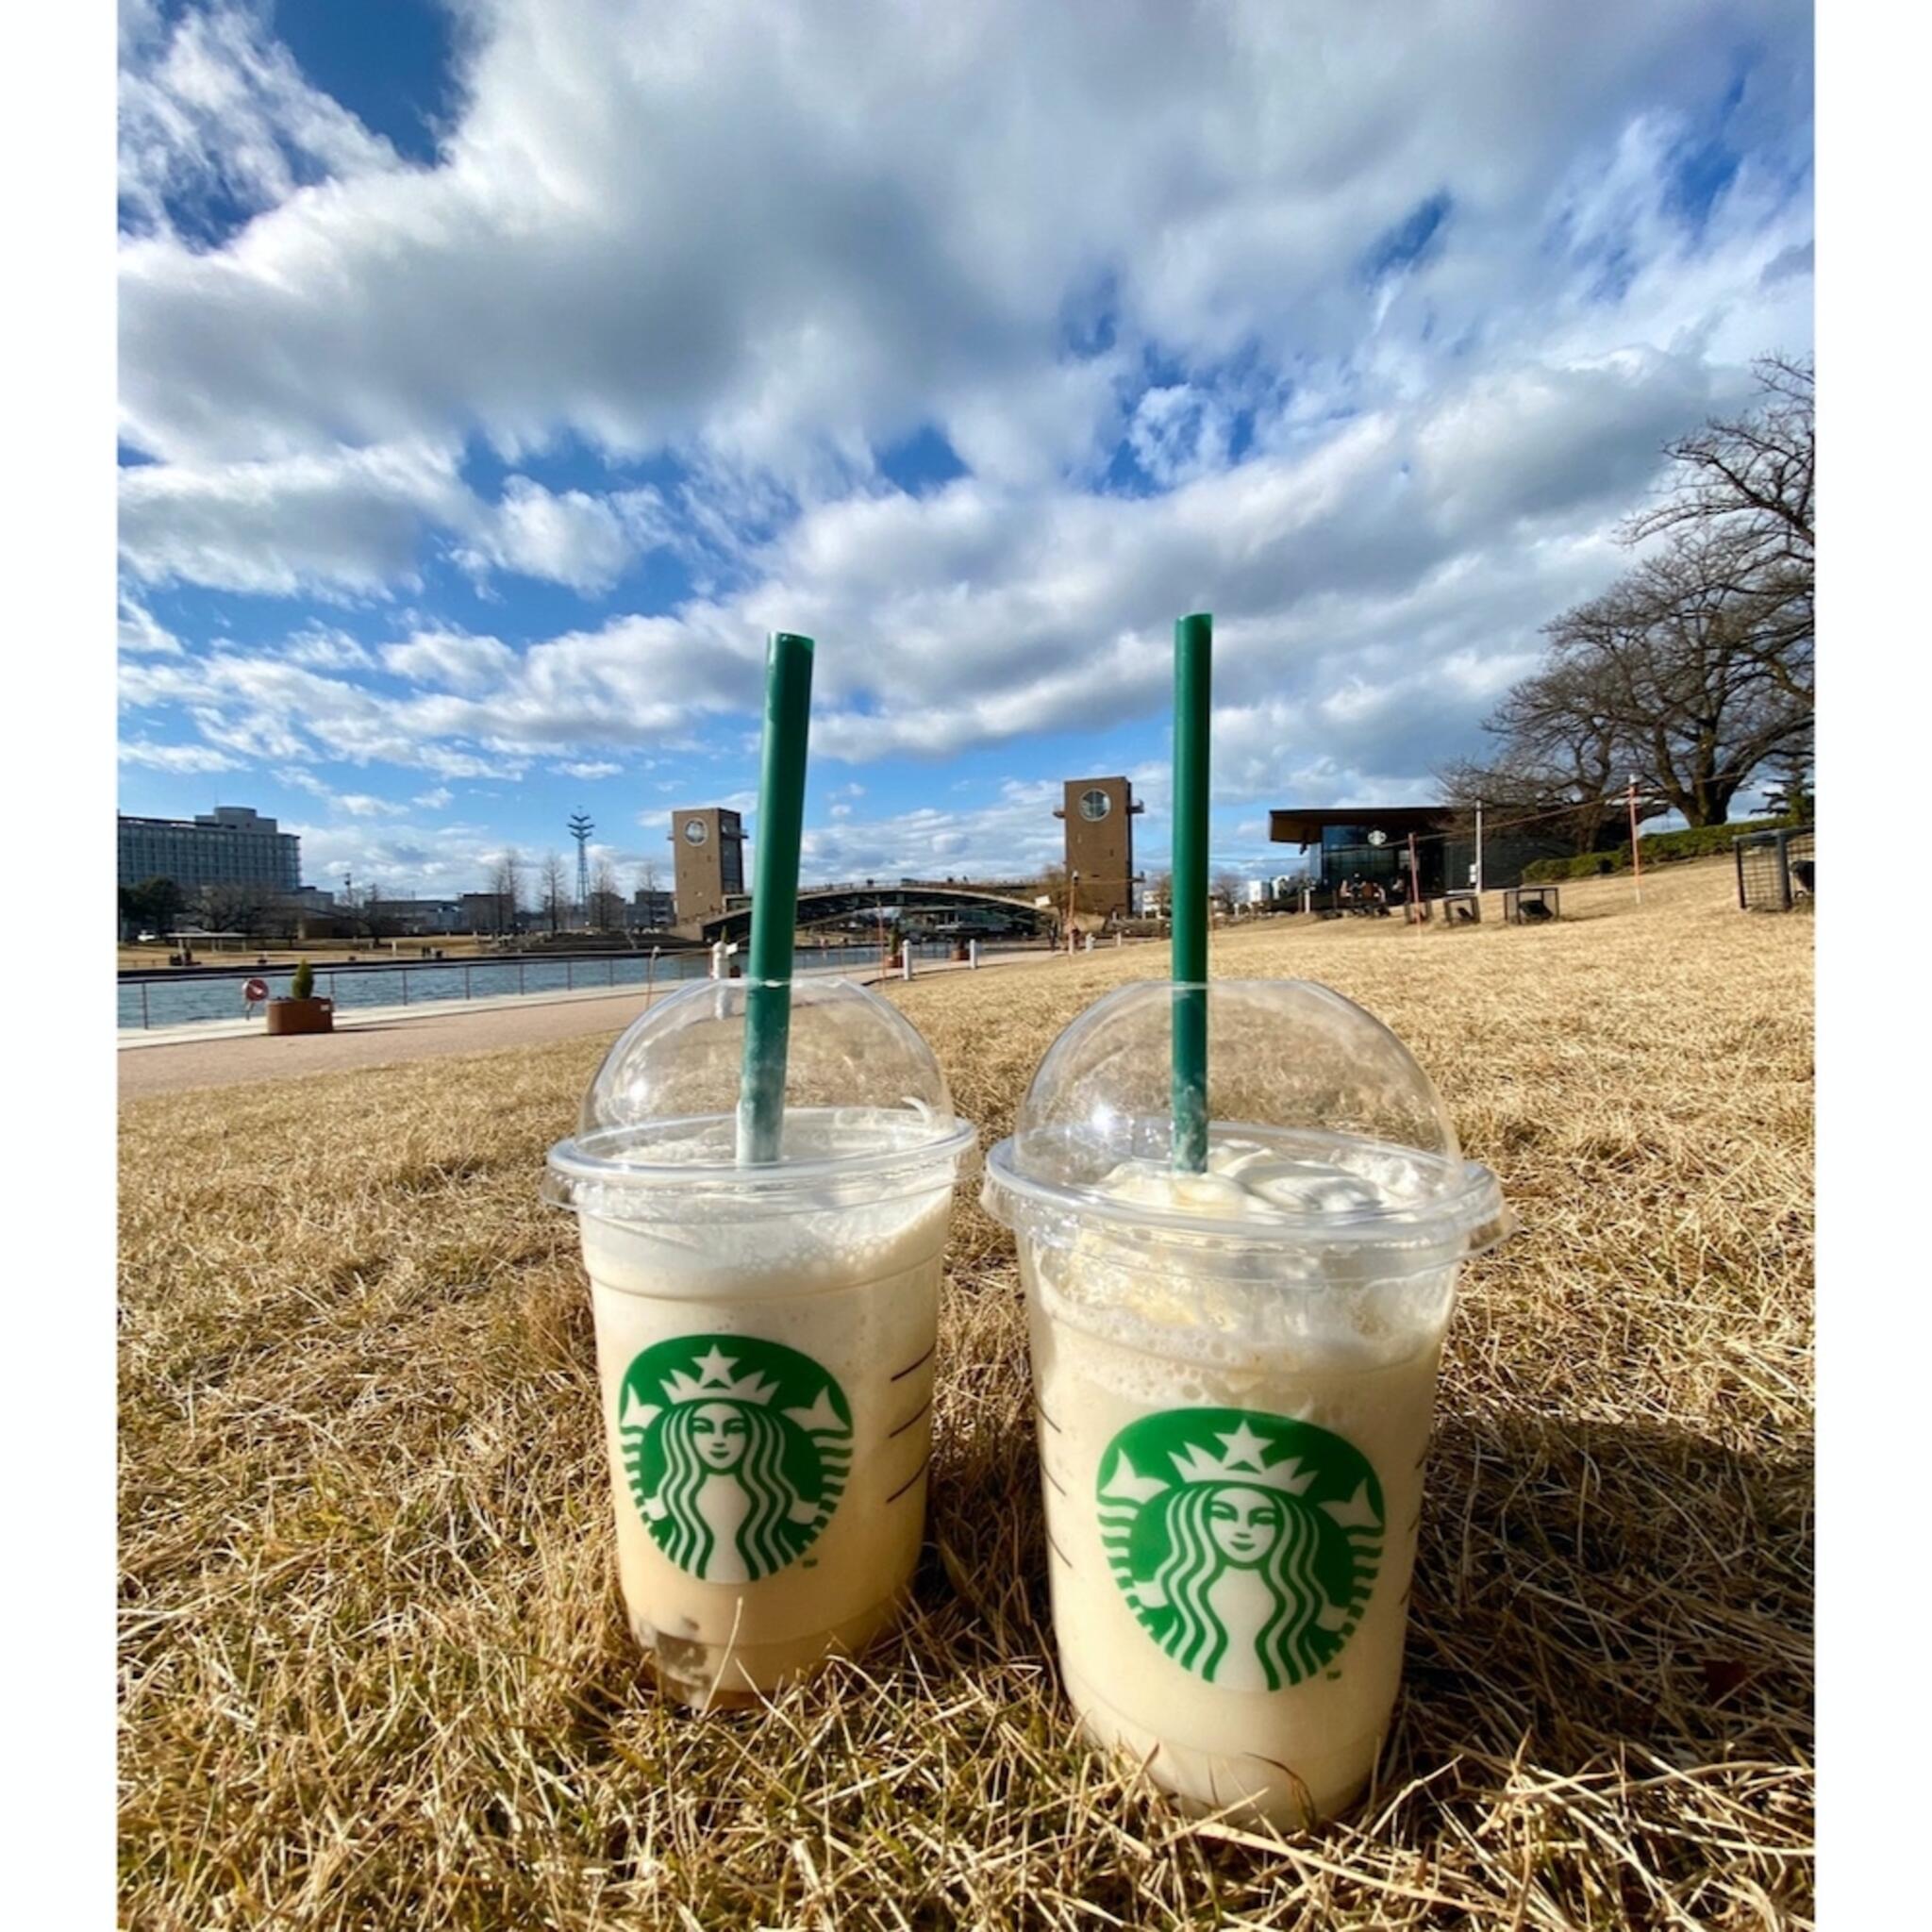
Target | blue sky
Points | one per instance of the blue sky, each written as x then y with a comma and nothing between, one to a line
495,375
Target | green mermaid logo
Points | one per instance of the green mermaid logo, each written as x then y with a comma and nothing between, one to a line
735,1451
1246,1544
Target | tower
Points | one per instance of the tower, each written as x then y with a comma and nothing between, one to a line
580,829
1099,814
709,846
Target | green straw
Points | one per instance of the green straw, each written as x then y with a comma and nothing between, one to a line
774,898
1193,659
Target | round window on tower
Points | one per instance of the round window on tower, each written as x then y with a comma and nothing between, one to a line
1094,803
695,831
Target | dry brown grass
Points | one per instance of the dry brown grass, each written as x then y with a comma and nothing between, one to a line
375,1674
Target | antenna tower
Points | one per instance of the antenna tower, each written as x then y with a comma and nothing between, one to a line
580,829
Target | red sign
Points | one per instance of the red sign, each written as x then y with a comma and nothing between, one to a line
254,991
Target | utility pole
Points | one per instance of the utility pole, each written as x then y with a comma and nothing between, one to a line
580,829
1073,901
1478,881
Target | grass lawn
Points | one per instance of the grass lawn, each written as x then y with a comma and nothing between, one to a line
375,1673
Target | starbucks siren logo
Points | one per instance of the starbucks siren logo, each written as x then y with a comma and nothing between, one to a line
1248,1545
735,1451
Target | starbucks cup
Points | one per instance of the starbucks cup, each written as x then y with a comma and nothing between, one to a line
765,1334
1234,1373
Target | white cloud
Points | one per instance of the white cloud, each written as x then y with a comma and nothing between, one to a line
346,519
936,235
356,522
1383,585
142,633
176,758
1179,432
212,108
452,659
588,767
1208,372
1017,835
434,799
571,538
319,648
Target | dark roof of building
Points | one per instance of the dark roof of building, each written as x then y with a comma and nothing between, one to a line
1294,826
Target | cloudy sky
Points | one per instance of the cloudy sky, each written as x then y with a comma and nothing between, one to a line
495,373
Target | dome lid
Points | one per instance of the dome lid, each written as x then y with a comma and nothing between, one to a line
1326,1136
868,1113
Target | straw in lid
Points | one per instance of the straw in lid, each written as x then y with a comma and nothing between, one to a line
867,1112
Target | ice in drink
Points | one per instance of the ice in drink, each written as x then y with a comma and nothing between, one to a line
765,1336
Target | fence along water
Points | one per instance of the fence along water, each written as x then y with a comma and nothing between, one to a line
214,995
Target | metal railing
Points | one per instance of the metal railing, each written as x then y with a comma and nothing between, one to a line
434,982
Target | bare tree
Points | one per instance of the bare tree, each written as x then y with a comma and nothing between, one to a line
606,901
1667,672
553,890
1758,470
246,910
1746,489
1229,888
505,887
1558,768
158,901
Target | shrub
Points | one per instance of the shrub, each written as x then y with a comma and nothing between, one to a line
1659,848
302,986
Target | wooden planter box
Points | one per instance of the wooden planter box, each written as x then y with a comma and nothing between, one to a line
301,1016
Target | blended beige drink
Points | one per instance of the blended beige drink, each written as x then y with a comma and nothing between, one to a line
765,1345
768,1406
1236,1375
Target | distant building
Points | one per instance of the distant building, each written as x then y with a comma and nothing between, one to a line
651,910
487,912
1099,814
1371,844
710,844
418,915
232,846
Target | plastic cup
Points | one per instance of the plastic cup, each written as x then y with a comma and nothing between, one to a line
1236,1374
765,1335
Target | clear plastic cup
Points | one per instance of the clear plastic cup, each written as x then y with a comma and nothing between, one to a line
1235,1375
765,1335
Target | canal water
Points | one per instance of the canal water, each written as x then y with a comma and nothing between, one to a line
182,1001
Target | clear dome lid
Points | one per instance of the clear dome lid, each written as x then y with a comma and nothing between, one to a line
1325,1135
868,1113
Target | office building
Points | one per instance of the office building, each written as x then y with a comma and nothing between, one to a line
232,846
650,909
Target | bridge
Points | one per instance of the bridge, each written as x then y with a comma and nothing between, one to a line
845,905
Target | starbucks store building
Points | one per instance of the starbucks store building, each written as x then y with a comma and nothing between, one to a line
1371,844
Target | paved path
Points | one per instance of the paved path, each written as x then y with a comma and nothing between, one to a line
232,1052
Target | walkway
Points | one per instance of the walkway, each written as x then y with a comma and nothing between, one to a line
226,1053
